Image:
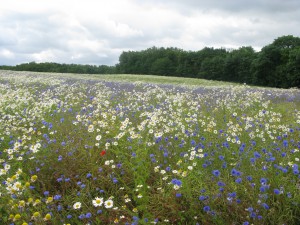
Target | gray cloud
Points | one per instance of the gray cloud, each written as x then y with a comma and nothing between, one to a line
94,33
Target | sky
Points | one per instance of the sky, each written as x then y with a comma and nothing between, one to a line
96,32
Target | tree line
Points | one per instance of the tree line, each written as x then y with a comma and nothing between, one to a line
276,65
62,68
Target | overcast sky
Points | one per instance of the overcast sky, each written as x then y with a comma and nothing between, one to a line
97,31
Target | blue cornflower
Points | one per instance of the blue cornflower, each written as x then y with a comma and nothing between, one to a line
250,209
238,180
57,197
257,155
89,175
259,217
263,180
88,215
232,194
221,184
176,182
81,216
193,142
234,172
265,205
224,165
202,190
263,188
249,178
276,191
178,195
252,214
202,198
59,208
135,218
216,173
206,208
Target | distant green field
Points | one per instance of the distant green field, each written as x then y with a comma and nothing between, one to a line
134,78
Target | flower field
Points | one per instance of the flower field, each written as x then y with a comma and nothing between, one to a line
95,151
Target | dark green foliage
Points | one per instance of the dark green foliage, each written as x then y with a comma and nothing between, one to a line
276,65
61,68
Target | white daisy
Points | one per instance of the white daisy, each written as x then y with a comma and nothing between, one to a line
98,202
108,204
77,205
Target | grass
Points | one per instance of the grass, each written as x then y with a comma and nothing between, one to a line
132,149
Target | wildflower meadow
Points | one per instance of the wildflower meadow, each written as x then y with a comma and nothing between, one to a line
100,151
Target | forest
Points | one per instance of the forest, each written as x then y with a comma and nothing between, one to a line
275,65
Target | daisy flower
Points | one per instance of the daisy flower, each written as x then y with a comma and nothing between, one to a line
108,203
77,205
97,202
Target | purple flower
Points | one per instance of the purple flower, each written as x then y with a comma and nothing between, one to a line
178,195
238,180
216,173
57,197
206,208
82,216
257,155
176,182
276,191
221,184
263,180
265,206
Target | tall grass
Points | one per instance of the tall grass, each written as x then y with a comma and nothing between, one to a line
96,151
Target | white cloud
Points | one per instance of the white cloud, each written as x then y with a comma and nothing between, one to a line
96,32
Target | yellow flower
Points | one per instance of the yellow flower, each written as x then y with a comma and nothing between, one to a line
49,199
36,202
34,178
21,203
17,217
135,210
47,217
36,214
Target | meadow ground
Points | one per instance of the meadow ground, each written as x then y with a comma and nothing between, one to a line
132,149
